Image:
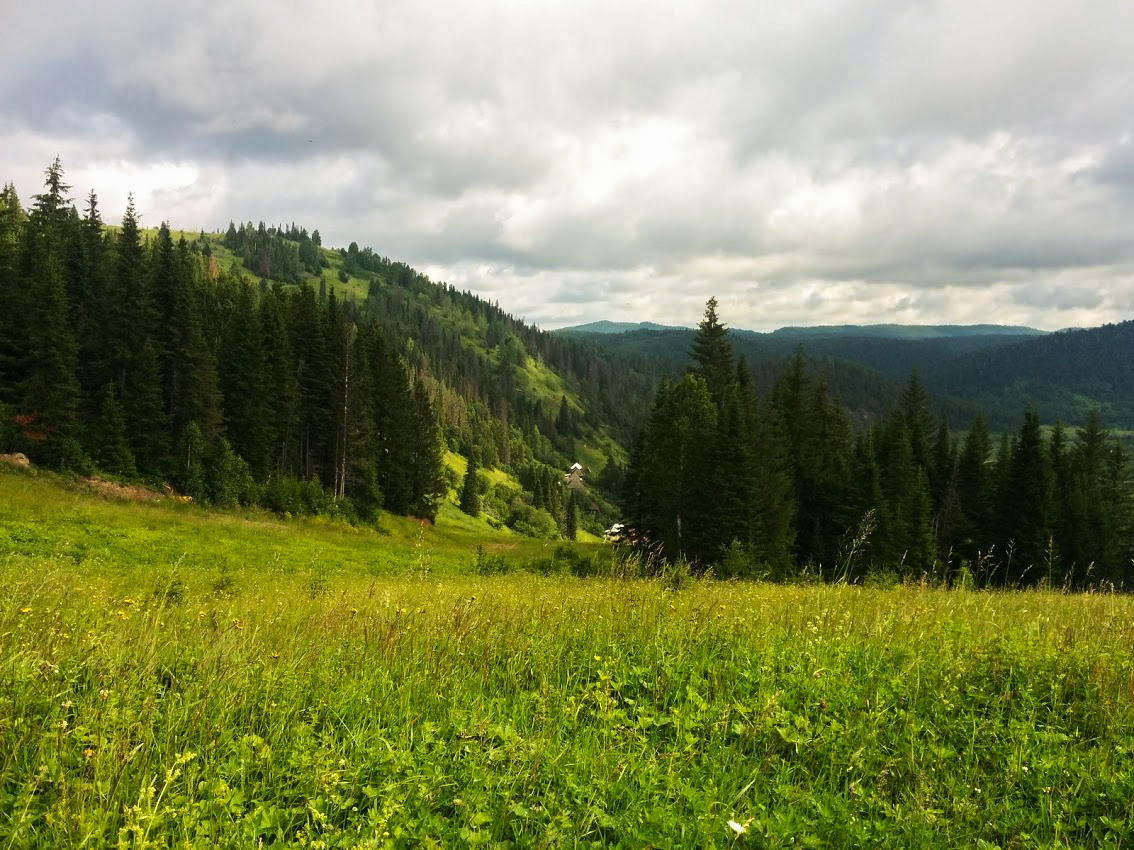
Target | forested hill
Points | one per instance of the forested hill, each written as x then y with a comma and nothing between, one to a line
1063,374
260,365
997,370
908,331
787,483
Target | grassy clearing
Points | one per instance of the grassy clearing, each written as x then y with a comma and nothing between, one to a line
73,524
151,700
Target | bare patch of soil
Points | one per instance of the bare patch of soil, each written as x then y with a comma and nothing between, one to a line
134,492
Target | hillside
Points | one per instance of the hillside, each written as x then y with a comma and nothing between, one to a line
998,370
257,366
1063,374
908,331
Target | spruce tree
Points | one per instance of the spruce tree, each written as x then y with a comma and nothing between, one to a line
470,499
676,498
246,384
426,458
51,393
867,543
147,425
571,524
190,466
774,504
14,342
976,494
192,391
111,449
712,352
1026,504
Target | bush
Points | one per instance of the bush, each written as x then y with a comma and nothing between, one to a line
532,522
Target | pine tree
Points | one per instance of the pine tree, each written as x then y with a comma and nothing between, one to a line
571,524
867,543
111,449
712,352
1026,504
919,424
190,467
563,420
315,416
470,499
51,393
147,425
281,379
675,497
976,494
192,391
906,488
14,341
774,506
362,486
246,384
426,458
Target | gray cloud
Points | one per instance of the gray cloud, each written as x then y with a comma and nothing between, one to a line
805,162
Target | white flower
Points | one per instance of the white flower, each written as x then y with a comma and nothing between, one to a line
739,829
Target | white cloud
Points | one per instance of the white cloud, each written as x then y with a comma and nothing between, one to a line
805,162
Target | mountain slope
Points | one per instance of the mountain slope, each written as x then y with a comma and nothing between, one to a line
1063,374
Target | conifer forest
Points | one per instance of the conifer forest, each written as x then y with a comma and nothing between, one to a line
252,382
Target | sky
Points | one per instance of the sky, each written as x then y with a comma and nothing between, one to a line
804,162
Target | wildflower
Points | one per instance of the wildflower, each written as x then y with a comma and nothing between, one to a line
276,655
236,624
598,658
103,694
88,754
67,704
738,828
122,615
353,611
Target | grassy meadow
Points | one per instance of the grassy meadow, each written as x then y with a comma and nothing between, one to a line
175,678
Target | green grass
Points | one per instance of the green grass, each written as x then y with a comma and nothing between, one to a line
537,379
172,678
40,517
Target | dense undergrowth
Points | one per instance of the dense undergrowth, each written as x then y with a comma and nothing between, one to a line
233,698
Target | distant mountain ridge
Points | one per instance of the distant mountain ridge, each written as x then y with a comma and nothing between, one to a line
882,331
997,369
606,327
895,331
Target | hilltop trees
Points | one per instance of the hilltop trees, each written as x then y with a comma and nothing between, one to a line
192,375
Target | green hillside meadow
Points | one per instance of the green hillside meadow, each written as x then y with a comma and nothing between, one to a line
171,677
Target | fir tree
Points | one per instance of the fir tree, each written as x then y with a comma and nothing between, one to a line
51,398
1026,504
571,524
111,449
470,499
976,494
712,353
190,467
426,458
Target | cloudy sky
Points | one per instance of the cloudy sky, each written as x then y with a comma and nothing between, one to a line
806,162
